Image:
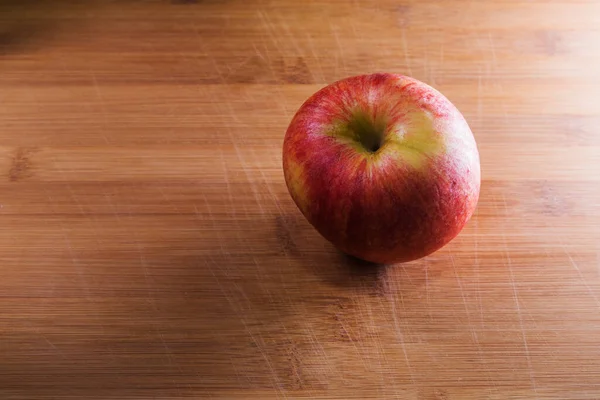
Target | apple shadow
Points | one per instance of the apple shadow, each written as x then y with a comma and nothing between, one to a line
355,270
314,254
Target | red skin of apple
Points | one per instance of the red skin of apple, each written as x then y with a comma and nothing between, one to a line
397,203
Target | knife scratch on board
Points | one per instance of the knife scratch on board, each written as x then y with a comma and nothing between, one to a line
479,100
75,262
54,347
406,52
378,348
477,269
583,280
405,272
267,183
102,101
311,45
357,42
472,328
265,60
492,48
259,344
228,184
291,37
242,161
340,47
340,319
272,31
399,331
517,301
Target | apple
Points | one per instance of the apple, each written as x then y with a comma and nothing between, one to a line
383,166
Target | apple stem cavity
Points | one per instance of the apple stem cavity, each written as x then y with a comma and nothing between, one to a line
369,133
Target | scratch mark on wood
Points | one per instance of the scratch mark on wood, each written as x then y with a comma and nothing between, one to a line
405,48
477,268
242,161
258,53
583,280
339,320
291,37
227,183
260,344
427,294
58,351
492,48
273,36
474,335
164,196
404,270
464,300
143,263
518,305
215,227
378,348
400,334
169,353
237,67
340,47
75,262
102,106
479,100
269,63
319,346
316,57
426,64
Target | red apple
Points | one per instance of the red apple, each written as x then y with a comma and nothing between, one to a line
383,166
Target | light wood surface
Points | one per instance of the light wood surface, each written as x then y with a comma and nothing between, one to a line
149,247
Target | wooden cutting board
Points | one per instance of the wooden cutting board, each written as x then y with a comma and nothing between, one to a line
150,249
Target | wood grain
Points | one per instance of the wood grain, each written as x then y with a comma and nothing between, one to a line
149,247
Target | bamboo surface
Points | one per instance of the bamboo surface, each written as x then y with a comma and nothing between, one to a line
149,248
